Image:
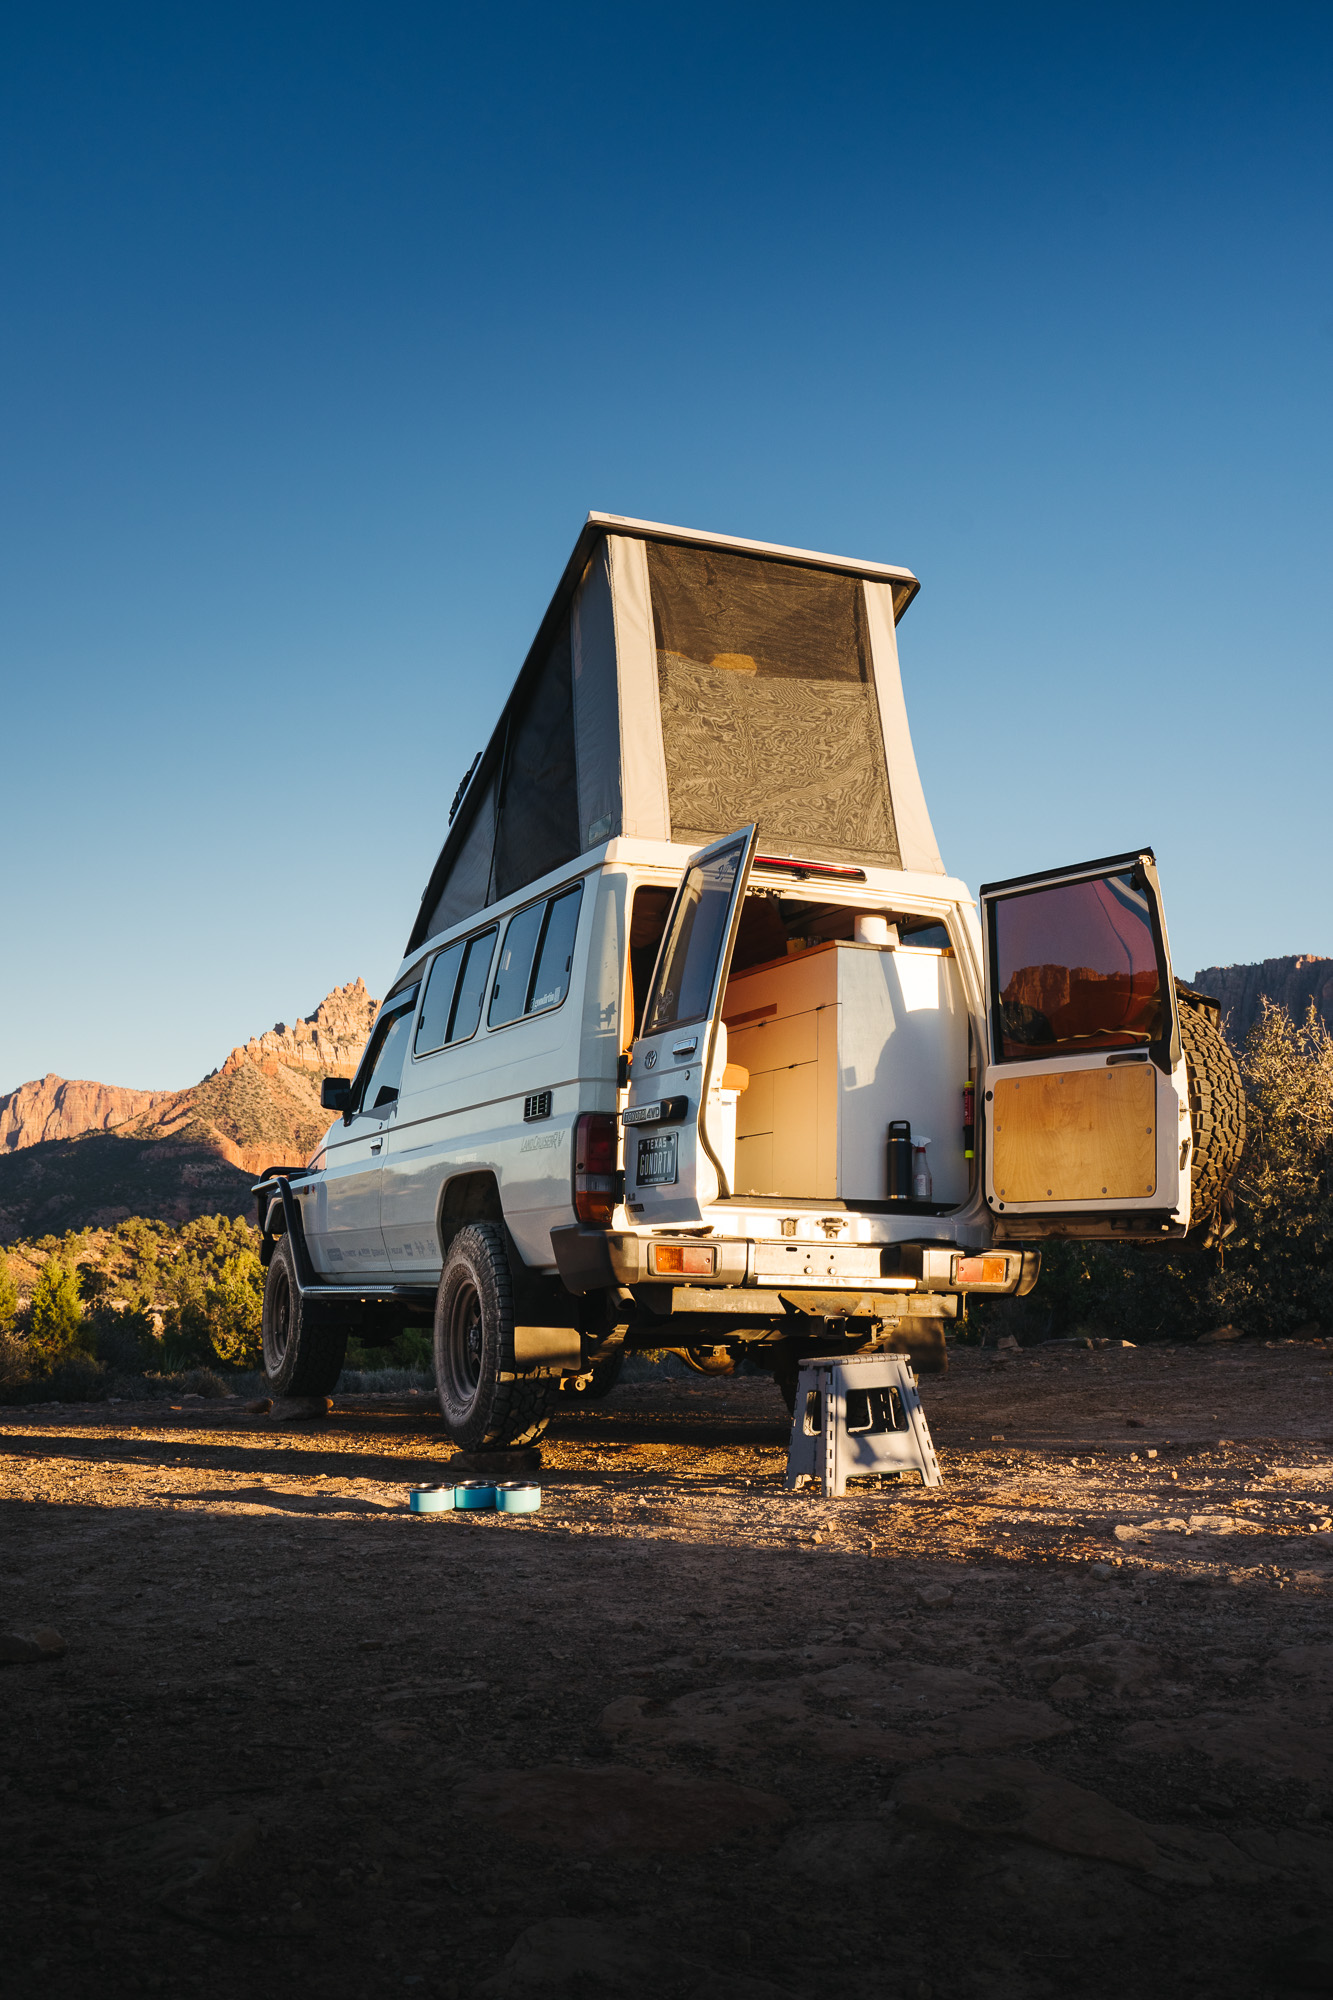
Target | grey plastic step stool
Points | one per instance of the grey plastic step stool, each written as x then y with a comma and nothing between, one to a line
857,1414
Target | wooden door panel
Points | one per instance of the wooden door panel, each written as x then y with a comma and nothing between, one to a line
1079,1135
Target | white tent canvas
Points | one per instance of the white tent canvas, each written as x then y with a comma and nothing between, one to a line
683,684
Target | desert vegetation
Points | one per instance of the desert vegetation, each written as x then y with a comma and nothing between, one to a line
85,1313
98,1312
1269,1271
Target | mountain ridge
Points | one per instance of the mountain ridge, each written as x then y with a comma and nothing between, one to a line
175,1155
1292,983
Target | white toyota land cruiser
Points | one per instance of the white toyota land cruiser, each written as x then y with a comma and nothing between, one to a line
696,1046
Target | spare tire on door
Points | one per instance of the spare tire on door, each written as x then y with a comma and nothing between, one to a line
1217,1108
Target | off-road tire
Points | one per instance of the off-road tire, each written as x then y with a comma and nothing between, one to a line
604,1376
303,1351
1217,1107
486,1404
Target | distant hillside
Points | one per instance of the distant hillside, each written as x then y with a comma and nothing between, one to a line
59,1107
1288,982
175,1154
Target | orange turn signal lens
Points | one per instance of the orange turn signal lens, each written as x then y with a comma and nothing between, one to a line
682,1260
980,1270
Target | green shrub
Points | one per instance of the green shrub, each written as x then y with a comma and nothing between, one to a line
1276,1268
9,1294
55,1315
1272,1273
234,1309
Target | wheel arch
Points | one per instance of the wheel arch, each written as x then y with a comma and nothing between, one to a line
467,1197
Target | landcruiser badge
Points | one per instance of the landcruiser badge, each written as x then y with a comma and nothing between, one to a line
650,1060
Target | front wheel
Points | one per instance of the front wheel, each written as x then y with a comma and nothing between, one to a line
486,1404
303,1353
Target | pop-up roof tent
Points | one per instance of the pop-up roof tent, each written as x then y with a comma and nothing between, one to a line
684,684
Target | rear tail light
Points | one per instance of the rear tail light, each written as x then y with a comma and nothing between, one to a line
684,1260
595,1168
980,1270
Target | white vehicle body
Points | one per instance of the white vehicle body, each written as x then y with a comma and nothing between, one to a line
373,1204
665,1066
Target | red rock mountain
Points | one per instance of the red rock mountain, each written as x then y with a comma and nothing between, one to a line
75,1155
1288,982
60,1107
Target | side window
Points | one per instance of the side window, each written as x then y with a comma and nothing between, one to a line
454,993
535,960
472,987
555,956
438,1005
510,993
382,1064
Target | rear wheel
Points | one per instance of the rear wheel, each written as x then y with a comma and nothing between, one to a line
1217,1108
487,1406
303,1352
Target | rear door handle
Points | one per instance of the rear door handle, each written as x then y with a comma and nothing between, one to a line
375,1145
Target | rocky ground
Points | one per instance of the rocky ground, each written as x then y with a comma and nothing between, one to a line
1058,1727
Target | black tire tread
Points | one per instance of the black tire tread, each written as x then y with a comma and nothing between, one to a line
313,1357
511,1409
1217,1107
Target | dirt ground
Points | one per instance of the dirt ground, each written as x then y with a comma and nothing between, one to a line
1058,1727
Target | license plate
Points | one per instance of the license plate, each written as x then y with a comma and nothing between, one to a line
657,1160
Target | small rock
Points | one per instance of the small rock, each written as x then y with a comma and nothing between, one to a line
1219,1333
1102,1569
20,1649
934,1596
1312,1330
261,1408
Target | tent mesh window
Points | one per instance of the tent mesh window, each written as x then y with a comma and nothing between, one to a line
535,825
769,711
539,804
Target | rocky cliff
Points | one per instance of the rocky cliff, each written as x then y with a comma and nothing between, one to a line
179,1153
60,1107
1288,982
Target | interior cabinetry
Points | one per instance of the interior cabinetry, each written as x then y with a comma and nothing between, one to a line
838,1040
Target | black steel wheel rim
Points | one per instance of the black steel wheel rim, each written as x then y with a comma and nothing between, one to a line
465,1342
280,1321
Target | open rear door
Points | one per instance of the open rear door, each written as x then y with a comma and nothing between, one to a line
1086,1104
679,1131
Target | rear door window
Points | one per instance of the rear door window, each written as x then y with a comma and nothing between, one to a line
535,959
700,926
1076,969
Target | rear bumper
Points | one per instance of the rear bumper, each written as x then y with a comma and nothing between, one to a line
591,1260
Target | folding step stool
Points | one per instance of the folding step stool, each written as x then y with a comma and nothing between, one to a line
857,1414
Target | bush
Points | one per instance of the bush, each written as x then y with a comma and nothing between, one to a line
55,1315
9,1294
1272,1272
234,1310
125,1340
1277,1265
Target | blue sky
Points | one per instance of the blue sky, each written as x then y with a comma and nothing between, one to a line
324,326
